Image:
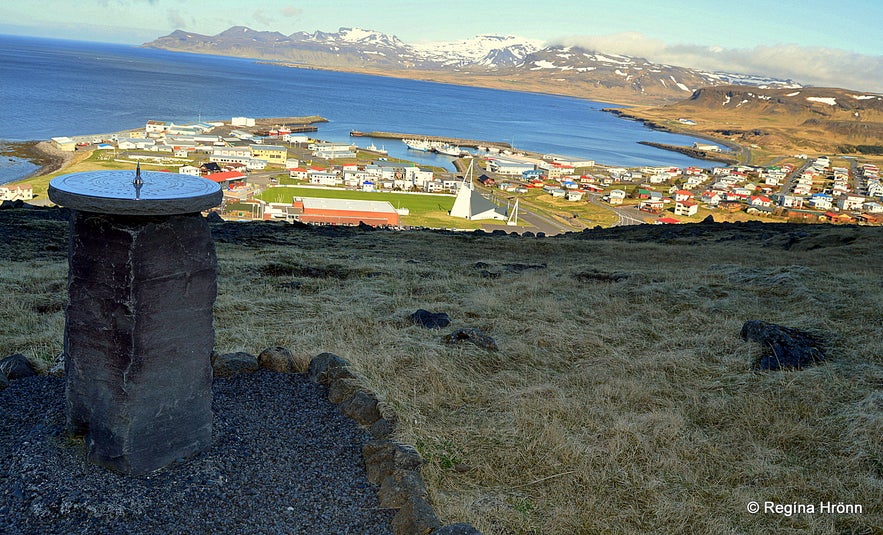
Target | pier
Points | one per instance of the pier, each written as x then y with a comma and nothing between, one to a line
460,142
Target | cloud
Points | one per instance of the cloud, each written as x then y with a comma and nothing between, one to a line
291,12
818,66
262,17
175,19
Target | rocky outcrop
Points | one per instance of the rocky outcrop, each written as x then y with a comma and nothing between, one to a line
786,348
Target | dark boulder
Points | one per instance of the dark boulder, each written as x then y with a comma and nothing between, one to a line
786,347
17,367
229,364
430,320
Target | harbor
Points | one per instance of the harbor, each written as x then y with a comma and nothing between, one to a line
433,141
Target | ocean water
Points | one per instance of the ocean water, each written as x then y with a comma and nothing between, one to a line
62,88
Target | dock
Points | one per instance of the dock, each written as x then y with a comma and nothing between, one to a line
460,142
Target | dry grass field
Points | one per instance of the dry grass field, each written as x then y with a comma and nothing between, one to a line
621,399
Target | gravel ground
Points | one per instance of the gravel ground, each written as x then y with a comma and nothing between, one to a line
284,460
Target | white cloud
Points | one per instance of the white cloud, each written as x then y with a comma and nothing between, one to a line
816,66
176,20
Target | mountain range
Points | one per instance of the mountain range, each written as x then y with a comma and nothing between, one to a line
506,62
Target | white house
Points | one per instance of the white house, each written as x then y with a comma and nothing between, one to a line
616,196
821,201
325,178
850,202
686,208
872,207
188,170
16,192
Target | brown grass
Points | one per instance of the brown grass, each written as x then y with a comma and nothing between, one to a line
624,407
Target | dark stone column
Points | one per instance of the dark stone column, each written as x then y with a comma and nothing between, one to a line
139,337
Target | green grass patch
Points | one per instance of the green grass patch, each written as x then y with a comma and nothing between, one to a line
417,203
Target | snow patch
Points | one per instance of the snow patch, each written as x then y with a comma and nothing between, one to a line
830,101
863,97
619,72
543,64
794,94
605,59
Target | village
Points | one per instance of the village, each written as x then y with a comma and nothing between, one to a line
249,157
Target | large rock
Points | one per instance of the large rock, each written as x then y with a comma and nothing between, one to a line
361,407
321,363
139,336
399,486
430,320
279,359
416,517
228,364
786,348
17,367
383,457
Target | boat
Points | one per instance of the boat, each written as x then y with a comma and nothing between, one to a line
449,150
356,133
418,144
373,148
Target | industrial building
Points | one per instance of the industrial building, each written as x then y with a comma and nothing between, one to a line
323,211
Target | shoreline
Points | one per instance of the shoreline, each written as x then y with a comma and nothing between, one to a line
43,154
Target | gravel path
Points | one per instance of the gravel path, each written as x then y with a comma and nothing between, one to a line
284,460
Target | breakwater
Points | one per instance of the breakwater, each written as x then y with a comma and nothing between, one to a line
694,153
461,142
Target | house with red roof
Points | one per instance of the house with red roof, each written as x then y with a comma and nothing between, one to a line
759,200
683,195
227,179
686,208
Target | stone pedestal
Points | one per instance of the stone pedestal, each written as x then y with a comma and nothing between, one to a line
138,331
139,337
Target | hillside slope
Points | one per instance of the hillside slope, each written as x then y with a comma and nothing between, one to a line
809,119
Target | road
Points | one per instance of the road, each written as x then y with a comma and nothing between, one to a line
627,215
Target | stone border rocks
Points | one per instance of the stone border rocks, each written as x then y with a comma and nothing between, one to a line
392,465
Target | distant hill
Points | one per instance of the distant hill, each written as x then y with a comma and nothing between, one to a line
812,119
486,60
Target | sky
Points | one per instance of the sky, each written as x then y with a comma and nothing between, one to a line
822,43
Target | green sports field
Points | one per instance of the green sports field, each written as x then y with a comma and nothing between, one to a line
426,209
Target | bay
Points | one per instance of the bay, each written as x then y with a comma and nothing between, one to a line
63,88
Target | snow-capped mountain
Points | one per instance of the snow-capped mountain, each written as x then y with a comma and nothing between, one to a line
484,58
492,51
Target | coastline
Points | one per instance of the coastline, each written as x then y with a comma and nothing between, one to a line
43,154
